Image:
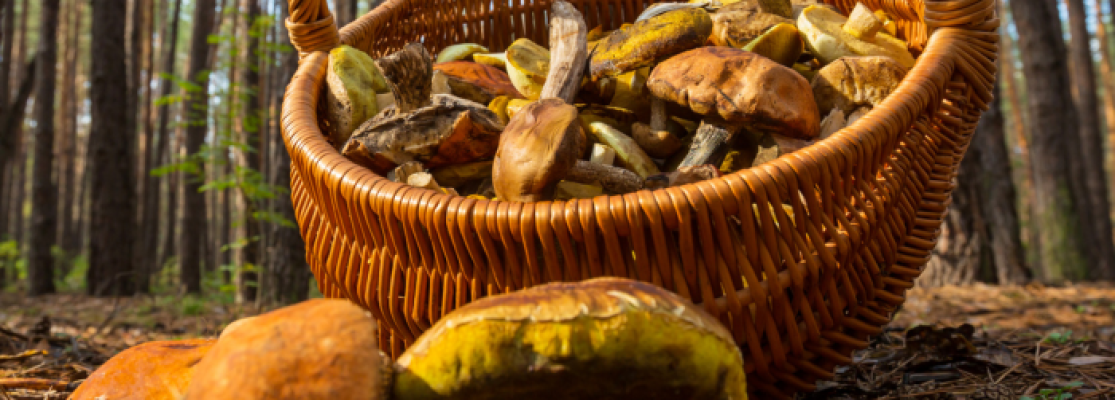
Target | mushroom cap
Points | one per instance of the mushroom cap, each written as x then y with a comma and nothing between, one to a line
601,338
460,51
477,82
317,349
823,31
153,370
527,66
536,150
738,24
352,81
649,41
852,82
740,88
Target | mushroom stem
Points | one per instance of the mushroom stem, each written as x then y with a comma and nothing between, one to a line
863,23
614,179
568,52
707,142
657,113
459,174
409,74
682,176
405,170
659,143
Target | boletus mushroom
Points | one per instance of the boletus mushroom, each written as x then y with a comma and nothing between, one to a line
528,64
852,82
317,349
477,82
153,370
738,24
605,338
650,41
460,52
352,82
542,143
830,36
434,130
733,89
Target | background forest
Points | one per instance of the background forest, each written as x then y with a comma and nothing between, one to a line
141,152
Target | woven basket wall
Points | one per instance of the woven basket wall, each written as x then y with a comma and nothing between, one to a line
800,291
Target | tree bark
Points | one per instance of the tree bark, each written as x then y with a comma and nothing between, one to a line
1011,87
154,259
247,130
997,199
67,154
1096,208
196,108
112,183
40,269
7,142
286,278
1107,76
1054,138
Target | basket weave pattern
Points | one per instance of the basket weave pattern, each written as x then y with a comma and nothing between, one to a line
800,291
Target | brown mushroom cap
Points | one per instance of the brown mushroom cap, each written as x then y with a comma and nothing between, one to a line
317,349
153,370
536,150
739,87
738,24
605,338
852,82
477,82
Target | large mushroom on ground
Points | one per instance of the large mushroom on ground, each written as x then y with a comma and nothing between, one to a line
650,41
541,145
152,371
317,349
830,36
606,338
434,130
733,89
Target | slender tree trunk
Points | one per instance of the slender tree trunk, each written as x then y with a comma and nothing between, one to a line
193,220
19,173
1099,239
68,137
248,129
1054,145
8,141
156,260
286,278
113,212
226,231
40,269
1107,77
997,199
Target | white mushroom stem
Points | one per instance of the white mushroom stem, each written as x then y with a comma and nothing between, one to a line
568,52
863,23
426,180
602,154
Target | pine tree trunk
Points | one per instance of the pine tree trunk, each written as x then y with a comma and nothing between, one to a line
1054,146
19,173
112,166
196,108
7,142
286,278
68,134
40,269
997,199
155,259
1099,239
246,282
1107,76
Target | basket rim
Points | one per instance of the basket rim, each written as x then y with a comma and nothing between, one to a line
898,110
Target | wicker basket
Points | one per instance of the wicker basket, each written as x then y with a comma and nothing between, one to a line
799,291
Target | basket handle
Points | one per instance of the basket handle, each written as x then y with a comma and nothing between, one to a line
311,27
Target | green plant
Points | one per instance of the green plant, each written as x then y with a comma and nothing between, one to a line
192,306
1061,393
1059,337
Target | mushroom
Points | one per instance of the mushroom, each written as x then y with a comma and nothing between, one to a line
153,370
738,24
607,338
460,174
498,106
657,9
630,154
435,131
732,89
460,52
498,60
830,36
352,81
857,114
650,41
852,82
781,43
527,66
832,123
541,145
477,82
321,348
682,176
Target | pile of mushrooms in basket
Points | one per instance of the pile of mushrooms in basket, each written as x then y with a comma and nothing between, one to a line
689,92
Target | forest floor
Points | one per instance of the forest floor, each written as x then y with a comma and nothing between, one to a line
977,342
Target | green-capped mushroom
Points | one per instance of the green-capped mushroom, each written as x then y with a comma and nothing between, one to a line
527,65
650,41
352,81
460,52
607,338
782,43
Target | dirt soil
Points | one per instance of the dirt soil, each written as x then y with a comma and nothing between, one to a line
977,342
